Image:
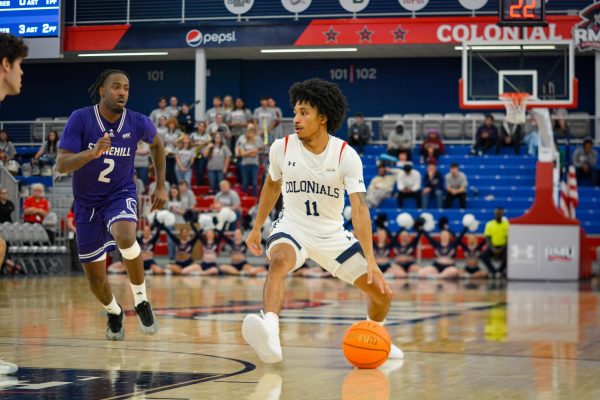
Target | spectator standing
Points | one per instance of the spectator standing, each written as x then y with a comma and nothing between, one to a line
7,146
433,185
170,141
217,108
432,147
510,136
142,161
200,140
46,155
409,185
219,126
174,204
227,104
585,159
399,141
486,137
6,206
173,109
277,131
188,199
227,197
247,148
359,133
161,111
264,117
218,155
162,129
238,119
496,236
456,187
36,207
185,119
380,187
184,160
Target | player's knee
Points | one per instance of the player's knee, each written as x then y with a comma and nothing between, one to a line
131,252
279,263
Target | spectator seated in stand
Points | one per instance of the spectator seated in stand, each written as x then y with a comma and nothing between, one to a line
496,236
382,248
456,187
6,206
510,136
35,207
7,146
408,181
486,137
380,187
399,141
359,133
432,147
433,185
532,139
46,155
585,159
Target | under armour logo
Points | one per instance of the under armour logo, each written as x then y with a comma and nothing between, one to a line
291,164
360,181
139,293
518,252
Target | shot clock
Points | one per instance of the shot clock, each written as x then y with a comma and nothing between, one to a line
522,13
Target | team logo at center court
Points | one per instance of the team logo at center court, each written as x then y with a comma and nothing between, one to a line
586,34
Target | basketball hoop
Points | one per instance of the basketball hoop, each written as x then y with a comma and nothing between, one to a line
516,106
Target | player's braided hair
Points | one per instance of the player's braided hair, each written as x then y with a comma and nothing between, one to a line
325,96
93,90
12,47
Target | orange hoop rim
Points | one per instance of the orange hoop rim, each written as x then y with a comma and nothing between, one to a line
517,98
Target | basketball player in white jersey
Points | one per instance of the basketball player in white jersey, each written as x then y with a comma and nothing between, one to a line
312,169
12,52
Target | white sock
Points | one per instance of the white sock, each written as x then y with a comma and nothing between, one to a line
377,322
272,319
113,307
139,293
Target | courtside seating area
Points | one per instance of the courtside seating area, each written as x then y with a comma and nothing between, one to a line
504,180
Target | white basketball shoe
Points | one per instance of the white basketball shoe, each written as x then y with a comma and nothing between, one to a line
262,334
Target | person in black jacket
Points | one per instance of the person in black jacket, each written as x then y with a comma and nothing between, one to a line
6,206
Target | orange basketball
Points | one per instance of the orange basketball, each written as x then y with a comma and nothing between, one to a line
366,344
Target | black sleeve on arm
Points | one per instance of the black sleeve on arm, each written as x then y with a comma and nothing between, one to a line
432,241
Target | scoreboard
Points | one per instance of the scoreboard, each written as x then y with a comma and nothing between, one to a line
31,18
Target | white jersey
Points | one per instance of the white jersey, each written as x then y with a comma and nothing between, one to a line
313,185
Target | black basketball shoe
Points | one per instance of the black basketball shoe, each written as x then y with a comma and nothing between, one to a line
146,317
115,327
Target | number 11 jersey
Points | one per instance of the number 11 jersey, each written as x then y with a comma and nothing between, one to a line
313,185
112,172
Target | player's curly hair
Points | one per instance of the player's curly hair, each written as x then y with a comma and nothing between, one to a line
94,89
325,96
12,47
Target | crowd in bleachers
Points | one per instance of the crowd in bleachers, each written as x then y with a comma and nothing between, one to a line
215,168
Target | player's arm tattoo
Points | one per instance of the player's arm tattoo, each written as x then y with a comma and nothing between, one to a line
157,153
67,161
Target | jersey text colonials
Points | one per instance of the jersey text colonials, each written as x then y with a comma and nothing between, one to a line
311,187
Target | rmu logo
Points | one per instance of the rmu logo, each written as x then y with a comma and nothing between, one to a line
560,254
195,38
586,34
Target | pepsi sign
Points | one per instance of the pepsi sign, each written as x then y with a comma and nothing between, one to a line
195,38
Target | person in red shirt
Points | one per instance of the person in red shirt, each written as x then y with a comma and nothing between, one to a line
36,207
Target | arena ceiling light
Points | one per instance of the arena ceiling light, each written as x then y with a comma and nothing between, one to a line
311,50
136,54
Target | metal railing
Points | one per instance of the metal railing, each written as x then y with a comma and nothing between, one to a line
33,133
87,12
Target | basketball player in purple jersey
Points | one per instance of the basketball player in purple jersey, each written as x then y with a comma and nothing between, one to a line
98,145
12,52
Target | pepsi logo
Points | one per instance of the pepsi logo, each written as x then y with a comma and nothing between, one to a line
194,38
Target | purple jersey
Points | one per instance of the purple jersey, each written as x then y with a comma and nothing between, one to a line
112,172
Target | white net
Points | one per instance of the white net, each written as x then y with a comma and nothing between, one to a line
516,107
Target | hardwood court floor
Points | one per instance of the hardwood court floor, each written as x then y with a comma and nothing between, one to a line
461,340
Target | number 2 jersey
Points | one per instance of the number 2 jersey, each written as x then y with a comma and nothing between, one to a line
112,172
313,185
